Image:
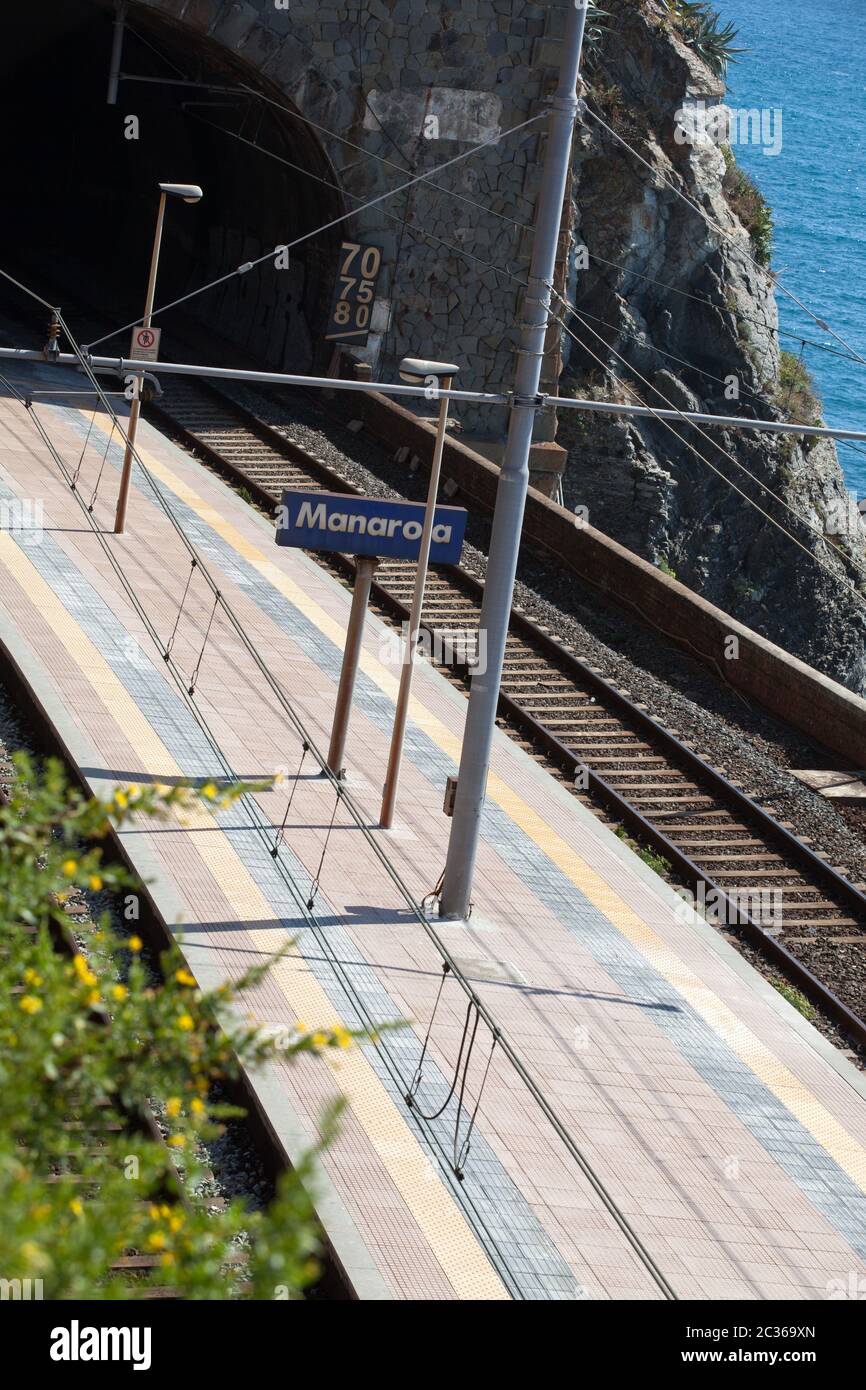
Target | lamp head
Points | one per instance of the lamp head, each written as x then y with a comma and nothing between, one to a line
418,369
190,192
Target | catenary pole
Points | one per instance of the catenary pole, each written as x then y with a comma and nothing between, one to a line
513,482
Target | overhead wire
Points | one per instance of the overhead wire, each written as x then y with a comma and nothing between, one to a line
848,560
383,159
316,231
728,235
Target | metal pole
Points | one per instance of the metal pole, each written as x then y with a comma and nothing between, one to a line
395,755
364,570
135,407
116,52
513,484
123,365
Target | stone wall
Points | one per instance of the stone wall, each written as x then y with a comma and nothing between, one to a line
415,82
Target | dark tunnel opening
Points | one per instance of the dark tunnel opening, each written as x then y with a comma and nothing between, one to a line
82,196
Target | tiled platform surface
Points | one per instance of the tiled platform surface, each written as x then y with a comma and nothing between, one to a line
729,1134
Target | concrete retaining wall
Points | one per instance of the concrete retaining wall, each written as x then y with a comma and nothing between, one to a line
819,707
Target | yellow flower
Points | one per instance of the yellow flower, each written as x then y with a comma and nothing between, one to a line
30,1004
69,867
95,882
175,1222
31,977
83,971
167,1258
134,792
121,800
209,790
75,1207
94,998
177,1141
172,1107
319,1040
185,1023
156,1240
341,1037
183,977
135,943
197,1106
119,992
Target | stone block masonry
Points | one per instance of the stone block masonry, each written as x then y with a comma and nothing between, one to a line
414,82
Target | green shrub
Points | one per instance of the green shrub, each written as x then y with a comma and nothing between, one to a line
652,860
88,1031
701,28
795,997
752,208
795,393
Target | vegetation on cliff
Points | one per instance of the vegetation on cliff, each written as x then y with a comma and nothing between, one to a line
701,27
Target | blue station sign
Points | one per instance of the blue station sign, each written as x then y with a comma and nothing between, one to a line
368,526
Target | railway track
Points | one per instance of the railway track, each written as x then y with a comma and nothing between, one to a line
752,874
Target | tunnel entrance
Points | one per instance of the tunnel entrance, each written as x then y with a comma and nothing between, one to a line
81,185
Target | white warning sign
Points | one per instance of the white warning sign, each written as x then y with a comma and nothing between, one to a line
145,344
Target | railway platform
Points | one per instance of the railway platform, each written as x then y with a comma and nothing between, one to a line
665,1123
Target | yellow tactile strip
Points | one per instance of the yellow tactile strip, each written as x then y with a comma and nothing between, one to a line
779,1079
434,1210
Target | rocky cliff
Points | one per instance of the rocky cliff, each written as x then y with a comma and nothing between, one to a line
684,315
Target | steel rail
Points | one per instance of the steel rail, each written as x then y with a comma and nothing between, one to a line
566,758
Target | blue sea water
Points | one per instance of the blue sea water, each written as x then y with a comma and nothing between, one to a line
808,60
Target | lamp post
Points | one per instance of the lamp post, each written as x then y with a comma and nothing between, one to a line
190,193
455,900
440,375
365,568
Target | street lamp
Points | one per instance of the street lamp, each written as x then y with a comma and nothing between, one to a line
190,193
437,375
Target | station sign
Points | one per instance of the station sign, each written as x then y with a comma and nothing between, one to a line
354,293
144,346
368,526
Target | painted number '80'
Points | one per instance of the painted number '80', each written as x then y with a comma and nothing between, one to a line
360,286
